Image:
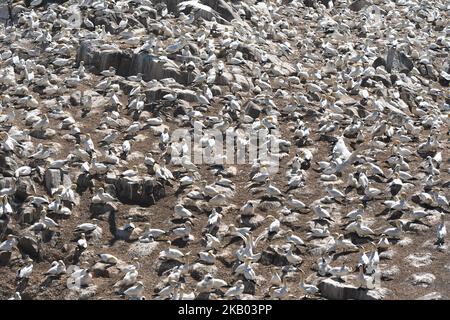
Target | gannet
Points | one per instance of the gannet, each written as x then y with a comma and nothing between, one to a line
319,232
247,209
236,291
334,193
274,226
150,234
184,232
49,222
207,256
167,291
130,277
108,258
365,281
16,296
243,232
441,231
395,232
294,203
374,260
26,270
221,181
182,212
212,242
57,268
384,242
343,244
281,292
339,271
5,206
82,243
292,258
275,280
308,289
171,254
8,244
136,291
291,238
352,215
321,213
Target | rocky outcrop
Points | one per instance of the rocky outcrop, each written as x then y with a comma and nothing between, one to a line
7,165
144,192
127,63
53,178
395,61
334,290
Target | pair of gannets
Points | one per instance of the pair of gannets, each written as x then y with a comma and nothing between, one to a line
246,270
358,227
57,268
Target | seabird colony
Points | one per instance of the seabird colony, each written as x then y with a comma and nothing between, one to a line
99,199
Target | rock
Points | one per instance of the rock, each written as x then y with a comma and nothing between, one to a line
271,256
144,192
419,260
4,258
75,98
29,246
140,249
334,290
163,266
157,130
422,279
417,227
7,182
138,214
216,91
253,110
28,214
357,5
98,209
249,286
252,222
268,205
405,242
135,156
387,255
24,188
224,79
100,270
291,220
389,273
199,270
53,178
43,134
431,296
87,293
395,61
8,165
127,63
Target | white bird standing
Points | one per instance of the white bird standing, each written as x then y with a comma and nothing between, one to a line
441,231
